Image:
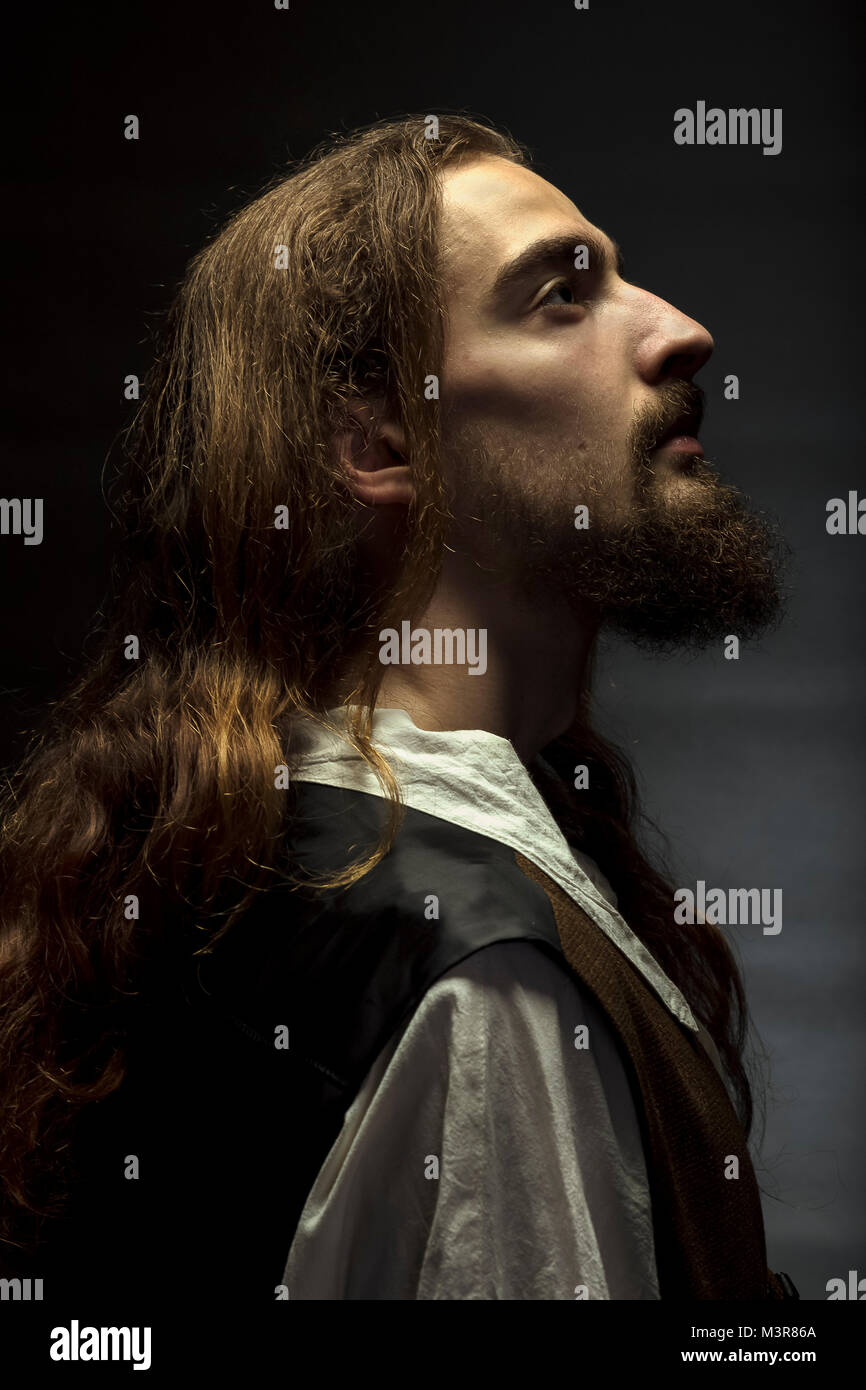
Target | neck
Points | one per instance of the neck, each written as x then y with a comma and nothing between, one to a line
537,656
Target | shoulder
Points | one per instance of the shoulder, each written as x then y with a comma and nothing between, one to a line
491,1089
513,1024
515,1007
333,825
348,967
441,893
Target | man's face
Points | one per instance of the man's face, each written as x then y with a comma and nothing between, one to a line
563,387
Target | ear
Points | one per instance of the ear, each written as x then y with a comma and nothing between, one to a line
372,451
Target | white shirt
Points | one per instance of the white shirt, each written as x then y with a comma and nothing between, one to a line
485,1156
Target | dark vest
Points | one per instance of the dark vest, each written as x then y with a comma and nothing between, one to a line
230,1130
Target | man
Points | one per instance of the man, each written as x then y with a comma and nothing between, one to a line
412,444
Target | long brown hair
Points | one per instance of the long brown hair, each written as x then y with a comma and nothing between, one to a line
151,795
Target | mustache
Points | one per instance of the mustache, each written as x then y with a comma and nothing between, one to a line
677,408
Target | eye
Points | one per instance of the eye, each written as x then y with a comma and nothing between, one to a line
561,285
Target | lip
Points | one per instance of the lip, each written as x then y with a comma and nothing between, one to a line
682,442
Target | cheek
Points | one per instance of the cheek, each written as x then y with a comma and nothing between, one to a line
529,389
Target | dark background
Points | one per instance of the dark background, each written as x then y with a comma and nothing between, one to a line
754,768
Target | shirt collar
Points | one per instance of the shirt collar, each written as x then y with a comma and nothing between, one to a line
475,779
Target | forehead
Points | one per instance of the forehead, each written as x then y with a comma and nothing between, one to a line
492,210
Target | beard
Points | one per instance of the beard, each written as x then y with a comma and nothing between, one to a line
689,564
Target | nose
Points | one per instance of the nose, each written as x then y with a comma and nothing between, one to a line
673,345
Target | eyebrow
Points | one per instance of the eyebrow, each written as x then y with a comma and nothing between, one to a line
555,251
